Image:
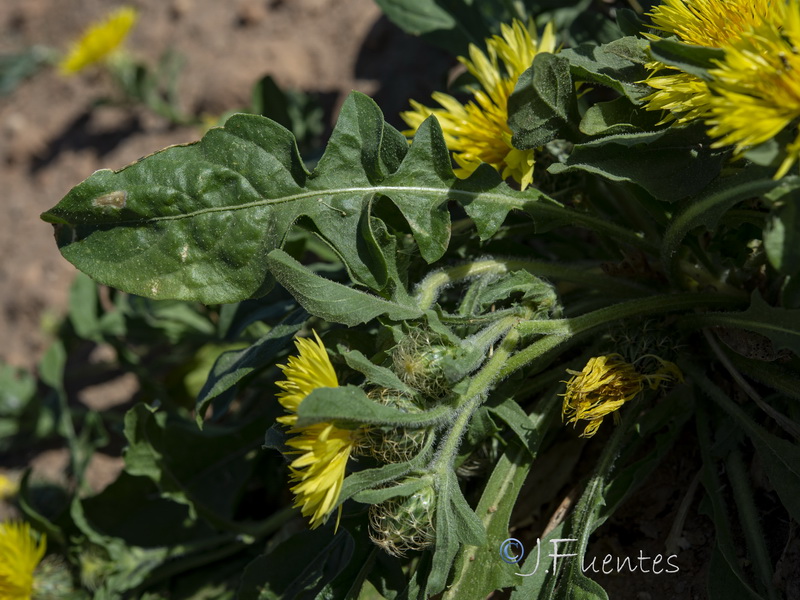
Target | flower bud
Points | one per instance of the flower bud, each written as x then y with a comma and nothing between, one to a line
419,361
405,523
392,444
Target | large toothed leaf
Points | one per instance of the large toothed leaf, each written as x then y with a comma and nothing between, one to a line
196,222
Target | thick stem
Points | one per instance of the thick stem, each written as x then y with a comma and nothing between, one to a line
429,288
476,393
559,331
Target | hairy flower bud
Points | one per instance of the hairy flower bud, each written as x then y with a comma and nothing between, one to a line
405,523
419,361
392,444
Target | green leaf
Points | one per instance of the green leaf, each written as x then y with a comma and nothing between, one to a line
780,325
470,528
195,221
706,208
479,571
374,373
615,117
686,57
206,470
349,404
629,22
83,305
543,106
782,238
456,524
17,389
725,552
376,496
650,160
15,68
135,535
452,24
780,458
333,301
618,65
532,576
299,567
373,479
231,367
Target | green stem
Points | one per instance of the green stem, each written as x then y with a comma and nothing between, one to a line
584,520
559,331
476,393
429,288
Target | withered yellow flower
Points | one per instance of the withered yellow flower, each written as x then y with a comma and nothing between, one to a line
322,449
709,23
99,41
20,553
478,132
605,384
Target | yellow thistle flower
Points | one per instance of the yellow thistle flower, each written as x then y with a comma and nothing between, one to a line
323,448
99,41
20,553
757,88
605,384
709,23
712,23
478,131
8,487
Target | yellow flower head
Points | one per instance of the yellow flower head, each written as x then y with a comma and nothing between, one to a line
757,88
20,553
712,23
8,487
478,131
99,41
322,448
709,23
605,384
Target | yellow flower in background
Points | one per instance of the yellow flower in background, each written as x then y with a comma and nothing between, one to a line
478,131
323,448
8,487
20,553
99,41
709,23
757,88
605,384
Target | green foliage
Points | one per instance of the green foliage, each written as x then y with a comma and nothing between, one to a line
460,316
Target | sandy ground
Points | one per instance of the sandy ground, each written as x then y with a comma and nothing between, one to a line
51,138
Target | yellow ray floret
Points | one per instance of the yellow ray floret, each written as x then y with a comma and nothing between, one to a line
322,449
713,23
478,131
99,41
757,88
20,553
709,23
605,384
